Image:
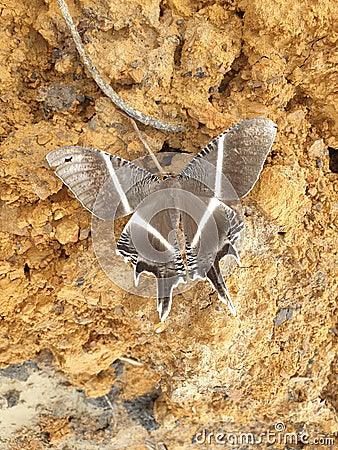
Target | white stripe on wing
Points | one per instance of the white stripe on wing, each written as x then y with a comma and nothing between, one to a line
219,165
206,216
117,183
137,219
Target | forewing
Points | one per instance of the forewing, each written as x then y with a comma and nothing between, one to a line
236,156
107,185
149,242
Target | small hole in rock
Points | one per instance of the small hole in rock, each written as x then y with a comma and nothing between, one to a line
63,254
26,270
12,398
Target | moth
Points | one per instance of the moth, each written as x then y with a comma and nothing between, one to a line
198,202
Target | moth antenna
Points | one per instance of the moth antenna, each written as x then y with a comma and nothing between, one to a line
105,88
145,144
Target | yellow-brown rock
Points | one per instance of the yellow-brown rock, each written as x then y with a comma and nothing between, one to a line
85,364
67,231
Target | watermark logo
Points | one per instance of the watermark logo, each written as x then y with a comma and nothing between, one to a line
277,435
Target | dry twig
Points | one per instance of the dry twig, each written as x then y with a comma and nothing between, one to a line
105,88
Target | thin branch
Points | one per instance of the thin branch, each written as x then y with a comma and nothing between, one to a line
131,361
105,88
109,402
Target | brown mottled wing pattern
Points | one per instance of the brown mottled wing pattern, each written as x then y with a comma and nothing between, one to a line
151,245
236,156
107,185
226,169
211,240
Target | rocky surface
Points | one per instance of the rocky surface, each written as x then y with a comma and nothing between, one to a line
86,365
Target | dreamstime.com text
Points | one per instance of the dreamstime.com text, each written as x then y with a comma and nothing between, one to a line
277,436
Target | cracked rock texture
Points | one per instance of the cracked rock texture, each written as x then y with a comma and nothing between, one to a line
84,364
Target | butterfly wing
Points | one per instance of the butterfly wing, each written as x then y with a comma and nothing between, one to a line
107,185
111,187
234,158
149,242
227,168
208,240
229,226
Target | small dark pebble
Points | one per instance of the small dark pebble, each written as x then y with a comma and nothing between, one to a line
319,163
